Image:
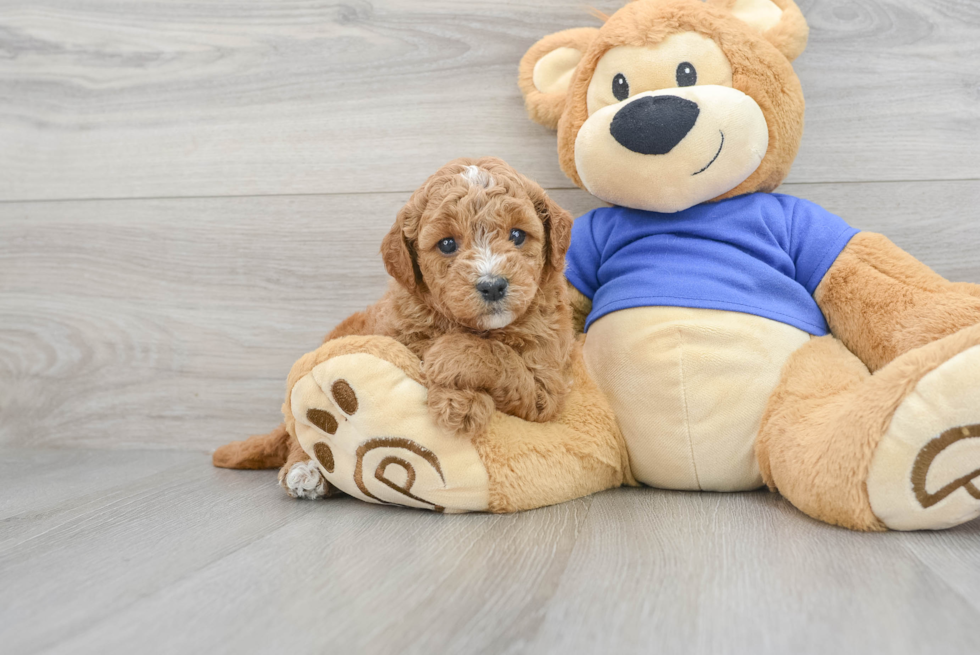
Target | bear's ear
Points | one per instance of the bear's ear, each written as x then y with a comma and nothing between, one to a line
779,21
546,71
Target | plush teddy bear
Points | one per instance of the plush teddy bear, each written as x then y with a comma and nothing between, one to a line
735,338
745,337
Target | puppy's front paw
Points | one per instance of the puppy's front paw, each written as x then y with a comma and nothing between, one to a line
460,361
463,411
304,480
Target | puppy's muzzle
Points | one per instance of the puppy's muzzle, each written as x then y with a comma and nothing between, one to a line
493,289
653,125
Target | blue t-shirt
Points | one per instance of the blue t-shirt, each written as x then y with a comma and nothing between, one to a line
762,254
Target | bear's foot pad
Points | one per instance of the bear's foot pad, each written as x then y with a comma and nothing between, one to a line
925,473
366,425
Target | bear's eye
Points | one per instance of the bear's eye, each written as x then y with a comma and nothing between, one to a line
518,237
621,88
686,75
447,246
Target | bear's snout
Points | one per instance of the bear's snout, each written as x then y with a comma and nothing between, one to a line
653,125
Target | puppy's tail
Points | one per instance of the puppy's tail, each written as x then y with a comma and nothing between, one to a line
263,451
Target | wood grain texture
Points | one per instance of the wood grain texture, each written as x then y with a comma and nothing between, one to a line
92,553
152,99
256,152
172,323
184,558
747,573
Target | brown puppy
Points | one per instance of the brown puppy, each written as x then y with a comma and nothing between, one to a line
478,294
477,256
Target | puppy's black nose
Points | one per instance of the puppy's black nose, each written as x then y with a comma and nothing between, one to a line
493,289
653,125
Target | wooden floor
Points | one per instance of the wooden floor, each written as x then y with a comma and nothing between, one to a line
192,193
111,551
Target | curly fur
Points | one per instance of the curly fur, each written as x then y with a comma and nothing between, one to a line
470,367
473,363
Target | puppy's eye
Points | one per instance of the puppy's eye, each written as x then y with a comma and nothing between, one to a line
686,75
518,237
447,246
621,88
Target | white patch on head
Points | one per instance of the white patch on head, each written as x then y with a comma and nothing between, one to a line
496,321
304,480
486,261
476,176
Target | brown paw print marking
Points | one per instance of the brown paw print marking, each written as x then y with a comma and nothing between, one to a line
322,419
382,468
344,396
928,454
324,455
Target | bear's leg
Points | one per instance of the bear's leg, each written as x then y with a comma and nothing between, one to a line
357,406
882,302
899,449
968,288
579,453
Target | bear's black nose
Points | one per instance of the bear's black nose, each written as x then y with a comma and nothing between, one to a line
492,290
653,125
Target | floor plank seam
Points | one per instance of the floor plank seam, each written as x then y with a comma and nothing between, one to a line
126,497
405,192
971,603
145,596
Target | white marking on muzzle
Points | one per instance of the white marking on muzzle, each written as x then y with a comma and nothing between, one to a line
486,261
496,321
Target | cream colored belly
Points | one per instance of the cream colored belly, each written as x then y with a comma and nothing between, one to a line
689,387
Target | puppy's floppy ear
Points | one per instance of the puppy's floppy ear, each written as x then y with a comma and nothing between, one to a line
557,227
398,249
546,71
779,21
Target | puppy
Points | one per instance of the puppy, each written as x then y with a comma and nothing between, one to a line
478,293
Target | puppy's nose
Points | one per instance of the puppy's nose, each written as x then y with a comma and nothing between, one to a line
493,289
653,125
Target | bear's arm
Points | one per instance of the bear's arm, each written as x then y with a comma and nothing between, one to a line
881,301
582,266
581,306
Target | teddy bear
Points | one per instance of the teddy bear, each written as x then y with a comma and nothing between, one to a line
732,338
745,337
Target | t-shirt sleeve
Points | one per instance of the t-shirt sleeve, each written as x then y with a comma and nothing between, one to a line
583,258
817,237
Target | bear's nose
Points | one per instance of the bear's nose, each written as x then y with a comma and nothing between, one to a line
653,125
492,290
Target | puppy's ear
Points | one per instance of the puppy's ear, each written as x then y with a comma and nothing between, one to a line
557,228
398,249
779,21
546,71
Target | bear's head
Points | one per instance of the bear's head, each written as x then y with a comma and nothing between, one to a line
673,102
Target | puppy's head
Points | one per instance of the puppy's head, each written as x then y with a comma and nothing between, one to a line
477,241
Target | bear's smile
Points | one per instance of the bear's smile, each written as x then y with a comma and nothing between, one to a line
708,165
653,157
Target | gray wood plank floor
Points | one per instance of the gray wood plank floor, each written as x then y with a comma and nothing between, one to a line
159,552
129,98
192,193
